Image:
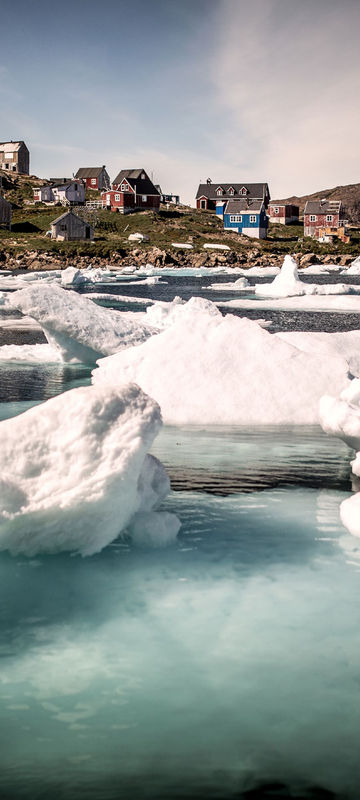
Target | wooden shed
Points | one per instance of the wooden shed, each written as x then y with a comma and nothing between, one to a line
70,227
5,213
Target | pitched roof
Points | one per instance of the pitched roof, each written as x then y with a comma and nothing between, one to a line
254,190
68,214
133,177
322,207
243,205
10,147
89,172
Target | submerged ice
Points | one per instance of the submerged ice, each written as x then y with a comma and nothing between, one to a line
74,473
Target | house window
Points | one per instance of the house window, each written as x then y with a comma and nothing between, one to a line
143,176
243,190
253,218
329,218
63,228
276,210
312,218
144,198
231,190
219,192
235,218
123,187
93,181
117,197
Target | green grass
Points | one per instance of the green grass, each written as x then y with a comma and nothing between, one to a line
30,224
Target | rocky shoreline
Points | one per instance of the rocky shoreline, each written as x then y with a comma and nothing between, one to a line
154,256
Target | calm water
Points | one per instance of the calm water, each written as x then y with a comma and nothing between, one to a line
226,666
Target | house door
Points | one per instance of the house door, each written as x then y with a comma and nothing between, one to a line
87,232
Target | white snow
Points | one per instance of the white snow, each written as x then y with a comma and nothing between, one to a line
184,245
206,369
77,327
354,268
161,315
339,303
345,344
72,277
211,246
138,237
267,272
74,472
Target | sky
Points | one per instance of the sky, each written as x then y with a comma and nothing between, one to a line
234,90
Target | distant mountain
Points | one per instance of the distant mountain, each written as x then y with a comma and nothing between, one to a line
350,195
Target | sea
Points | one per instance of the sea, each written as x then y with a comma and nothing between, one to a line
226,666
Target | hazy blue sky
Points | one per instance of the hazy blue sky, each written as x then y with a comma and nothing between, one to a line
229,89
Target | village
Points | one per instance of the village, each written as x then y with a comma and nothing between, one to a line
242,211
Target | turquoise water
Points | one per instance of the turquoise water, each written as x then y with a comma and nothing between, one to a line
226,666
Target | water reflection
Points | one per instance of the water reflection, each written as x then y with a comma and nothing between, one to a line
32,383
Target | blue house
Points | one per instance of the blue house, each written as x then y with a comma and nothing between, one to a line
247,217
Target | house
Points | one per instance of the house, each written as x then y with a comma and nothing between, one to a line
246,216
14,157
132,190
319,214
5,213
283,213
174,199
94,177
69,194
214,196
43,194
70,227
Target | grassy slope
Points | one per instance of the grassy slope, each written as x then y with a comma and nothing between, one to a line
30,224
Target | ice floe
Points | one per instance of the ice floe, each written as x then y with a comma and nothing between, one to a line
77,327
288,284
75,473
30,353
209,369
237,286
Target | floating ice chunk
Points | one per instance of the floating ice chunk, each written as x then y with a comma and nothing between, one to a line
288,284
154,529
29,353
78,328
345,344
354,268
162,314
74,471
209,369
340,416
72,277
267,272
350,514
237,286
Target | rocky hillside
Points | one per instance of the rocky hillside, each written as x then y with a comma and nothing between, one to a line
350,195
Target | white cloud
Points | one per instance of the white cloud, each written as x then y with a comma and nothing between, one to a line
286,74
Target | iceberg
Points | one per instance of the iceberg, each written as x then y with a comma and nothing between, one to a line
340,416
77,327
209,369
236,286
354,268
75,473
288,284
162,314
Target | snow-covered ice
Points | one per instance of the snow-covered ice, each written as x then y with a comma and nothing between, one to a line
288,284
77,327
211,369
30,353
75,472
237,286
161,315
340,416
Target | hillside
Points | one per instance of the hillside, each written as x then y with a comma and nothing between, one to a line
349,194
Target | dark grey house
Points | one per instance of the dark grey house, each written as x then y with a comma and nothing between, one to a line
70,227
213,196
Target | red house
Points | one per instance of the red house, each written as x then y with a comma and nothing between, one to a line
131,190
283,213
322,214
94,177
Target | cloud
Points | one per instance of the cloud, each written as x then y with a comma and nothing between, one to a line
286,75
